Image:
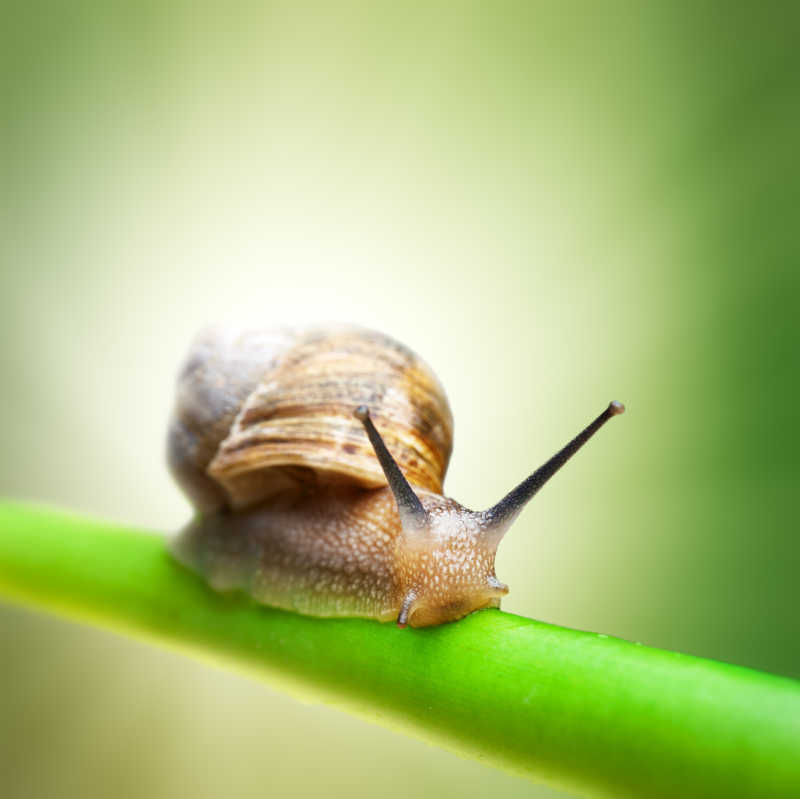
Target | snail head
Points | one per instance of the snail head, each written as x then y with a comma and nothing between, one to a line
445,555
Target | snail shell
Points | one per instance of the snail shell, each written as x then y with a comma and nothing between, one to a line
263,412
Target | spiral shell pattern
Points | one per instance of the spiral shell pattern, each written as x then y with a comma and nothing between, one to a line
284,415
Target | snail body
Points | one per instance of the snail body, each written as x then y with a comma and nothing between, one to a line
299,501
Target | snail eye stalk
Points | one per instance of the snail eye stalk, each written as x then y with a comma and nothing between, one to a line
412,514
497,519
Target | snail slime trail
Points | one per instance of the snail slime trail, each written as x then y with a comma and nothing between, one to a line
315,459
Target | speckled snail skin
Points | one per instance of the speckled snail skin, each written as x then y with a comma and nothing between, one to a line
273,441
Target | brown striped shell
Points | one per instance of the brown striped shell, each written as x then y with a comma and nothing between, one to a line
260,412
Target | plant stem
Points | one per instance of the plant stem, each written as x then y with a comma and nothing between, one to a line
582,711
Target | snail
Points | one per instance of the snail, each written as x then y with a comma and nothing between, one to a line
315,460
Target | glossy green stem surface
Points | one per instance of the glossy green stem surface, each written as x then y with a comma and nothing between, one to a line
592,714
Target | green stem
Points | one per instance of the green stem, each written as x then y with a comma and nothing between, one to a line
590,713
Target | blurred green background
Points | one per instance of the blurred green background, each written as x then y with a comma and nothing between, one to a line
555,204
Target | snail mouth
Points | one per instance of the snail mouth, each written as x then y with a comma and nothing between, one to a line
430,615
